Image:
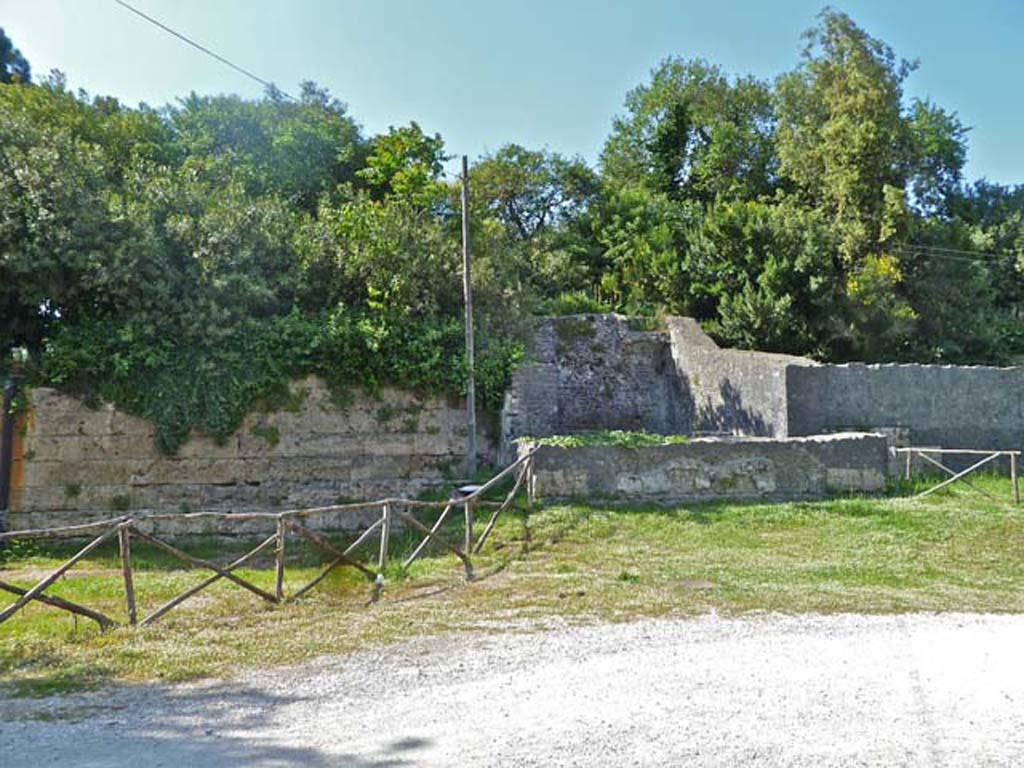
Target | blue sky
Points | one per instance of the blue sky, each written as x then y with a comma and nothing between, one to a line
541,73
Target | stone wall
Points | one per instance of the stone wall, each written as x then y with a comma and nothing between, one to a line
762,394
733,391
73,463
707,469
594,372
935,405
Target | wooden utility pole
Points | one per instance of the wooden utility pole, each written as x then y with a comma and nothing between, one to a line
467,290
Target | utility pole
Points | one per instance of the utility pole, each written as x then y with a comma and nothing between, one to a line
467,290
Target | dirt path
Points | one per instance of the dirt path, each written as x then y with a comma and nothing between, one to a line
914,690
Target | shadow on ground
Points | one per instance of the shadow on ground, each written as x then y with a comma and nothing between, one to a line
216,725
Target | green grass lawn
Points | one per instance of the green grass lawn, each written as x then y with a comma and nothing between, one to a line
955,551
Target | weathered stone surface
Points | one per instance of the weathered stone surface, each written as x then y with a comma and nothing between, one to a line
732,391
594,372
77,464
715,468
940,405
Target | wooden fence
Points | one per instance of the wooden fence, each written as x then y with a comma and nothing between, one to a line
288,523
929,454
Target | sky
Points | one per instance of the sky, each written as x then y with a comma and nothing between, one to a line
542,73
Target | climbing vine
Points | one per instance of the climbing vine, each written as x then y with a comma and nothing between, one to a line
184,383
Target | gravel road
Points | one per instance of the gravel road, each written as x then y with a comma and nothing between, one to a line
765,690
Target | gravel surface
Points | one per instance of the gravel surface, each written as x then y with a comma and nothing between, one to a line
765,690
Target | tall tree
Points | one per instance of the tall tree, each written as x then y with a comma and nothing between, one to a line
939,143
842,138
297,149
531,209
405,162
532,191
693,133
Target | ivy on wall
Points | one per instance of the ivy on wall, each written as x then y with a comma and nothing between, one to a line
185,383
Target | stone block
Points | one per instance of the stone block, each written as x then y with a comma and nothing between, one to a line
709,468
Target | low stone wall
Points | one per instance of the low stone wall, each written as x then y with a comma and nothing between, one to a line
706,469
73,464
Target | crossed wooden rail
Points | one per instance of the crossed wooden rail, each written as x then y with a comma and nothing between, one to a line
127,528
928,454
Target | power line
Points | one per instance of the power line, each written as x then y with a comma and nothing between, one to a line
204,49
926,251
973,254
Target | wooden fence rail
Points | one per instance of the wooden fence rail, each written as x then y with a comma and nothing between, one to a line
126,528
928,454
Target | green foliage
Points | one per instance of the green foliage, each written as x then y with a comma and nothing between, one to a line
572,329
186,266
187,263
299,150
270,433
694,134
14,550
405,163
779,215
531,234
614,437
183,381
573,303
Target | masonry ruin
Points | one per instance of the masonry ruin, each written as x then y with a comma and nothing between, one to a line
817,428
604,372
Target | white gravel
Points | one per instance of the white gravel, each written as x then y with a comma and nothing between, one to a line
767,690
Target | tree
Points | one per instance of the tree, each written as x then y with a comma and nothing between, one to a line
939,152
842,138
693,133
531,192
642,237
14,68
530,209
405,162
300,150
63,162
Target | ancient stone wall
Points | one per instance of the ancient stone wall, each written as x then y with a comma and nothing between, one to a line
599,372
595,372
707,469
74,464
584,373
733,391
936,405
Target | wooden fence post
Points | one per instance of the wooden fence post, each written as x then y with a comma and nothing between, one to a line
531,483
468,511
385,535
1013,478
124,540
279,561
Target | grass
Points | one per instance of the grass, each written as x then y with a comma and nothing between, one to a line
955,551
610,437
